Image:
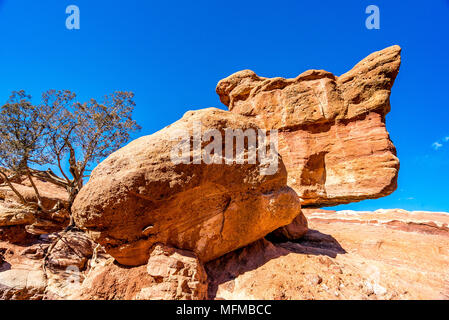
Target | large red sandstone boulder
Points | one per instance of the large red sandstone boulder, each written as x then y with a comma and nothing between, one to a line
139,196
332,134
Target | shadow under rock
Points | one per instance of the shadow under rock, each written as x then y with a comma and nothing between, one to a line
315,243
256,254
5,266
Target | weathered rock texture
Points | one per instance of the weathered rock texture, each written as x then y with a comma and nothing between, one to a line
178,273
110,281
23,276
69,260
170,274
434,223
386,254
18,222
332,133
138,197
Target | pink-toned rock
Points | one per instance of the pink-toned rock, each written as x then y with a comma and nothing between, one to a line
72,249
67,262
20,277
178,273
171,274
332,133
18,222
436,223
22,284
113,282
293,231
385,254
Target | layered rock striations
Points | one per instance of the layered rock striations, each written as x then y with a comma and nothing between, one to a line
332,134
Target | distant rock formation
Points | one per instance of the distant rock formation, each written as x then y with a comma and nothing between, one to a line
436,223
332,135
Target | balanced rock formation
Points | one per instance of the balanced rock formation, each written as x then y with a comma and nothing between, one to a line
332,134
144,194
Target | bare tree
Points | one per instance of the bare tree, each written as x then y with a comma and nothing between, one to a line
64,133
22,144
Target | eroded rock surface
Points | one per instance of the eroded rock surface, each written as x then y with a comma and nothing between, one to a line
170,274
178,273
332,133
22,284
138,196
434,223
23,275
387,254
18,223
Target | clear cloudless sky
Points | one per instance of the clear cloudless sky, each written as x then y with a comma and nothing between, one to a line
172,54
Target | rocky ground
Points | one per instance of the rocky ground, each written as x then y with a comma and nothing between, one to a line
387,254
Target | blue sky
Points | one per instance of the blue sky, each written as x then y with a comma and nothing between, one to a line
172,54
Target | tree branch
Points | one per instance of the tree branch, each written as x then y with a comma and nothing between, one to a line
58,156
39,199
49,176
10,185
